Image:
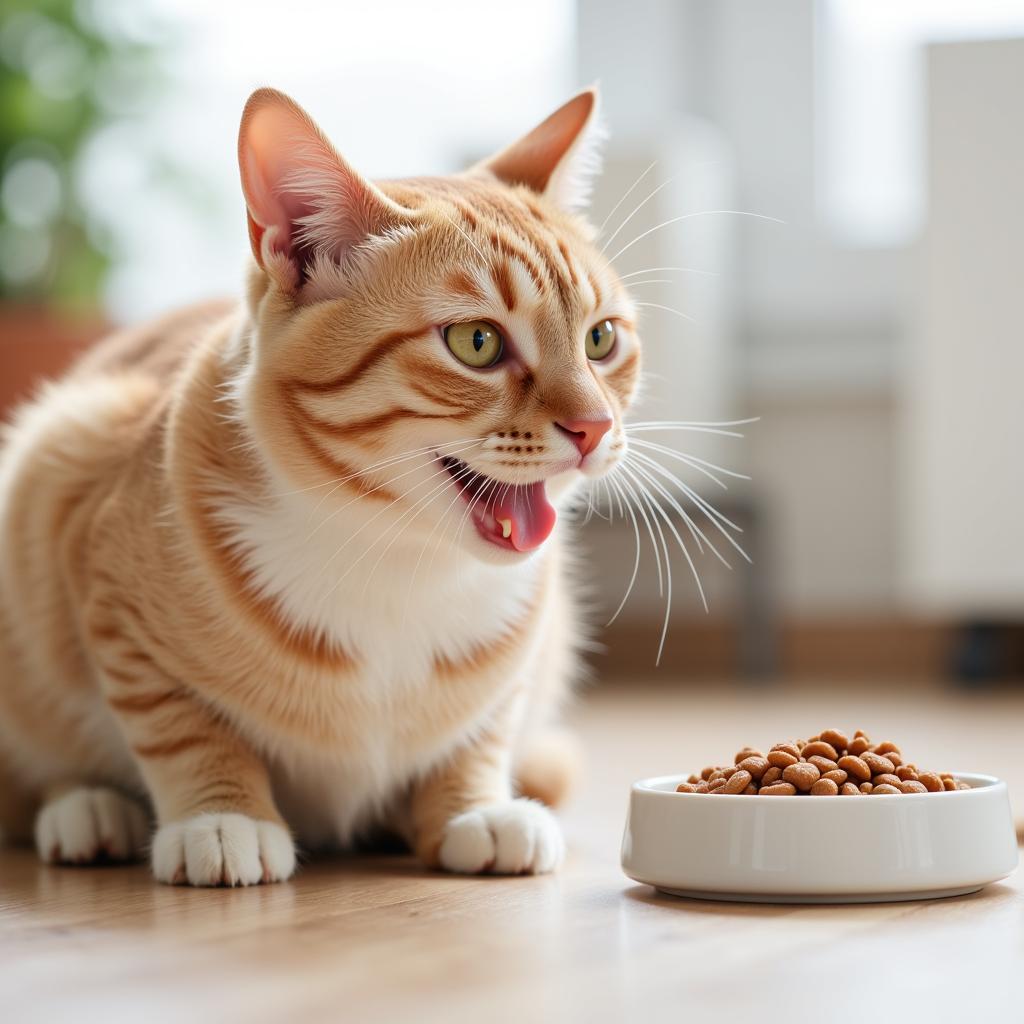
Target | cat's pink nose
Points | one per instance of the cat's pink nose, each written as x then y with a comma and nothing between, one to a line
586,434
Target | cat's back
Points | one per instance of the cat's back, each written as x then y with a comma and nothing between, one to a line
157,348
82,436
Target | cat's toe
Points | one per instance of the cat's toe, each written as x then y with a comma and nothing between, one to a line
89,825
517,837
222,849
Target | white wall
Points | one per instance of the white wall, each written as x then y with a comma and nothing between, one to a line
964,430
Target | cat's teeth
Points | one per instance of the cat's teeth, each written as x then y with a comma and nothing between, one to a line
506,528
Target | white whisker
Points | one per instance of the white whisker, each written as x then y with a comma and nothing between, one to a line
412,453
712,514
695,531
690,216
701,465
657,270
689,560
636,210
636,561
362,494
667,309
643,515
625,195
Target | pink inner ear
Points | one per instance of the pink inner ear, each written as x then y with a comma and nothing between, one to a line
302,197
266,156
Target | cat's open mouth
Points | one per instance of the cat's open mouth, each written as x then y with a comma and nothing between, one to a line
514,516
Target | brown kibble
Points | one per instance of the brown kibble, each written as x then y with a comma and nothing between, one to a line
879,765
737,782
782,758
777,789
756,764
802,776
828,764
836,738
825,787
789,748
909,786
887,780
855,767
821,748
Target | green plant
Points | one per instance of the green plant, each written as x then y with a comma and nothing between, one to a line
68,68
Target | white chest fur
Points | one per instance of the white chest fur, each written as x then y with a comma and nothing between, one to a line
397,609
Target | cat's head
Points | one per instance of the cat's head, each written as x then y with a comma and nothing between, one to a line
440,351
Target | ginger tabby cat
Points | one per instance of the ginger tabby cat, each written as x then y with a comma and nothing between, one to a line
292,571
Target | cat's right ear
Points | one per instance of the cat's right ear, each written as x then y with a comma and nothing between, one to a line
304,200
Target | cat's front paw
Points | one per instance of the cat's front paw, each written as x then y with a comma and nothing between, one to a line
513,838
222,849
87,825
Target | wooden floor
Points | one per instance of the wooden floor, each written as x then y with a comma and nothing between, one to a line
378,939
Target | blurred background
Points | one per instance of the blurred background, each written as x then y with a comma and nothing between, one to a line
819,204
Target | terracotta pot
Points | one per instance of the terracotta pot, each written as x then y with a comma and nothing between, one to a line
36,343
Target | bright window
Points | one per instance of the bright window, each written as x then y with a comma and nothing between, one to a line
873,105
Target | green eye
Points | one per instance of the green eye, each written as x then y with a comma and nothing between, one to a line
476,343
600,340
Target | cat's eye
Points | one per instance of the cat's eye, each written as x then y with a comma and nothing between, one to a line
601,340
475,343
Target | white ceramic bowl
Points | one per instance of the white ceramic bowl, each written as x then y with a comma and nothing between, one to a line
828,849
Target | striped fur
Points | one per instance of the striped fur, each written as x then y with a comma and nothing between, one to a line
228,590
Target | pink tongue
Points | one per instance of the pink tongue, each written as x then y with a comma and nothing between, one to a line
531,514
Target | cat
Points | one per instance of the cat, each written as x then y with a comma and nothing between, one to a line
290,572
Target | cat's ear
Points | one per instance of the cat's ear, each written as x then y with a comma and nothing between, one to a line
560,157
304,200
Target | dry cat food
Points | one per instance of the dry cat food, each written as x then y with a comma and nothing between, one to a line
829,764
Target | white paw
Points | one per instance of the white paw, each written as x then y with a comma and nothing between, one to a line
514,838
87,825
222,849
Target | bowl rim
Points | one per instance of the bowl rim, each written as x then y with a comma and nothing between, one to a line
981,783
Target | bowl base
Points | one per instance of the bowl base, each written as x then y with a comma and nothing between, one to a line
845,897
